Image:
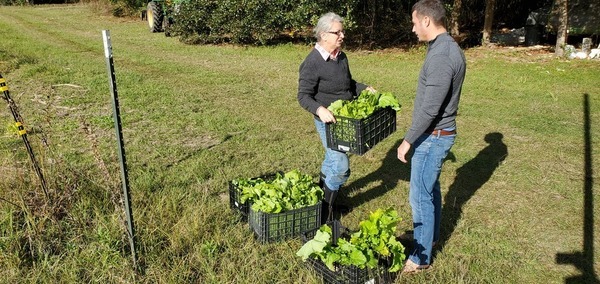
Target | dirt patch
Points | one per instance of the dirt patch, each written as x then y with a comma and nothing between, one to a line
535,53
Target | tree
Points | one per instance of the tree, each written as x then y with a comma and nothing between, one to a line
490,7
561,33
454,18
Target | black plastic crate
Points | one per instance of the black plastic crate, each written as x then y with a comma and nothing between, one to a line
234,201
347,274
234,196
359,135
269,227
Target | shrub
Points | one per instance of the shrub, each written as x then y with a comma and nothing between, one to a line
262,22
258,22
13,2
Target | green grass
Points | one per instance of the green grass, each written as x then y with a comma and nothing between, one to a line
196,117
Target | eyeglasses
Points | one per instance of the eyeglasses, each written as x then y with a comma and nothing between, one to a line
338,33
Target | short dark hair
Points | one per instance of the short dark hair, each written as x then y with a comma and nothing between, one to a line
434,9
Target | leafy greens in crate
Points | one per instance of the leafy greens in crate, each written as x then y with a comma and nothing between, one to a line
364,105
375,240
292,190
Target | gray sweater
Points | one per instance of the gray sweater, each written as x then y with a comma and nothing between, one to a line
322,82
439,87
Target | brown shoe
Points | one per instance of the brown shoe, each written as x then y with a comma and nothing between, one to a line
411,267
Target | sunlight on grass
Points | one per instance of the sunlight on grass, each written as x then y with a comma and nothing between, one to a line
196,117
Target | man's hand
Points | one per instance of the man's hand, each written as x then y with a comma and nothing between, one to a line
325,115
403,150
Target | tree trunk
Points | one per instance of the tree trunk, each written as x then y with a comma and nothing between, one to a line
490,6
561,32
454,18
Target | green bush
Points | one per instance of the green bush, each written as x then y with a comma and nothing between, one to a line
13,2
257,22
262,22
117,8
242,22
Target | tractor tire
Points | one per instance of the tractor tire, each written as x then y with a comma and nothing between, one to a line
154,14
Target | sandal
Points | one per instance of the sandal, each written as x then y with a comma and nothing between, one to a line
411,267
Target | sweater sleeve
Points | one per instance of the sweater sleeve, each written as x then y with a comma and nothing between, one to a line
437,81
359,88
308,83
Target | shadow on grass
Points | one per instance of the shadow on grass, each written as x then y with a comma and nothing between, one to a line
390,172
584,260
469,178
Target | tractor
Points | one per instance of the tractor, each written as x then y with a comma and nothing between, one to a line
159,14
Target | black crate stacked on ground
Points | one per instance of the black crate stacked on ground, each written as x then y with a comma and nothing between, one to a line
269,227
359,135
234,196
347,274
235,203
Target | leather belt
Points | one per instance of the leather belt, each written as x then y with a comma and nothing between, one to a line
442,132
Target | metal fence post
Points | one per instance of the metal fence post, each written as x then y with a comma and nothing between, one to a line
118,128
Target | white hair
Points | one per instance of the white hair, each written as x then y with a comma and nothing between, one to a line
325,22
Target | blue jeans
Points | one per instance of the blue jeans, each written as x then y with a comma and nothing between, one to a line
335,166
425,195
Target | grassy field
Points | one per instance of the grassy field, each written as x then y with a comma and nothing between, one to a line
520,194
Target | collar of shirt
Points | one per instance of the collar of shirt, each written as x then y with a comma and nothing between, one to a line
325,54
442,35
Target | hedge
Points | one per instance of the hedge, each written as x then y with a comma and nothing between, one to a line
264,22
